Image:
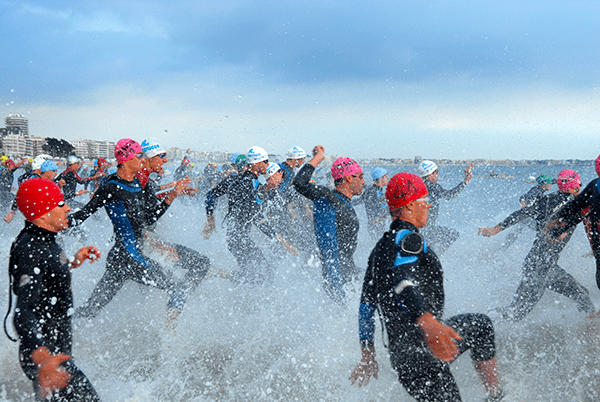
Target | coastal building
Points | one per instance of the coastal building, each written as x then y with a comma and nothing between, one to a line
17,121
91,149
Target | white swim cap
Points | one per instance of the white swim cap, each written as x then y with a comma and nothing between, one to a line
426,168
271,170
38,160
152,147
72,159
256,154
296,153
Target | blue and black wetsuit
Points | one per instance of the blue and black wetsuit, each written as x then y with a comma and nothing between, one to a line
243,212
540,268
336,229
440,237
404,280
41,281
131,209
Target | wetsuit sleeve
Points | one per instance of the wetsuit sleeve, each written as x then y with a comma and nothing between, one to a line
452,193
518,216
217,191
287,177
303,185
366,311
101,198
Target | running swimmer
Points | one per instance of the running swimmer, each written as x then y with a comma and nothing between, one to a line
335,220
540,268
41,281
544,183
131,209
243,212
440,237
586,206
196,265
71,180
375,204
404,282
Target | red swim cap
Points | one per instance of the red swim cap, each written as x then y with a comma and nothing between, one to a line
404,188
38,196
597,164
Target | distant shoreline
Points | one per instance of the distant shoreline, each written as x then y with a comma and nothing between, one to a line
480,162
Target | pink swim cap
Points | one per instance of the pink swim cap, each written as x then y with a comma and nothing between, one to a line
597,164
126,149
343,167
568,179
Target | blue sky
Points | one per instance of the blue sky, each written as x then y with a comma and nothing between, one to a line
439,79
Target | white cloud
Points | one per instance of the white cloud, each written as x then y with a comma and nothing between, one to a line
106,21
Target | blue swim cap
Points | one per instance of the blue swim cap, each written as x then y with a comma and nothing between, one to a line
378,172
48,165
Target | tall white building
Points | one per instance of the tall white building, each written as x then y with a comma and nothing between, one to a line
18,121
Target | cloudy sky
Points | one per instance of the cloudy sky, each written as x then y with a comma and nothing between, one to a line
439,79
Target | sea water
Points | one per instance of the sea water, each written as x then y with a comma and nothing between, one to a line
288,342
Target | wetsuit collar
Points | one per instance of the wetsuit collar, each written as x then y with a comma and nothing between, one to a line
248,172
37,231
398,224
344,197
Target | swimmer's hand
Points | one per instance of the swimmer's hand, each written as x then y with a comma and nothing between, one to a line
209,227
488,232
288,246
439,337
367,367
51,375
87,253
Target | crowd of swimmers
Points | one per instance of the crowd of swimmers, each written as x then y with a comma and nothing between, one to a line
403,281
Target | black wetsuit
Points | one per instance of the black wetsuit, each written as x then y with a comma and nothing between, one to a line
575,211
41,280
336,230
301,227
376,209
540,268
7,177
196,264
527,199
71,179
404,280
244,211
440,237
131,209
276,211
